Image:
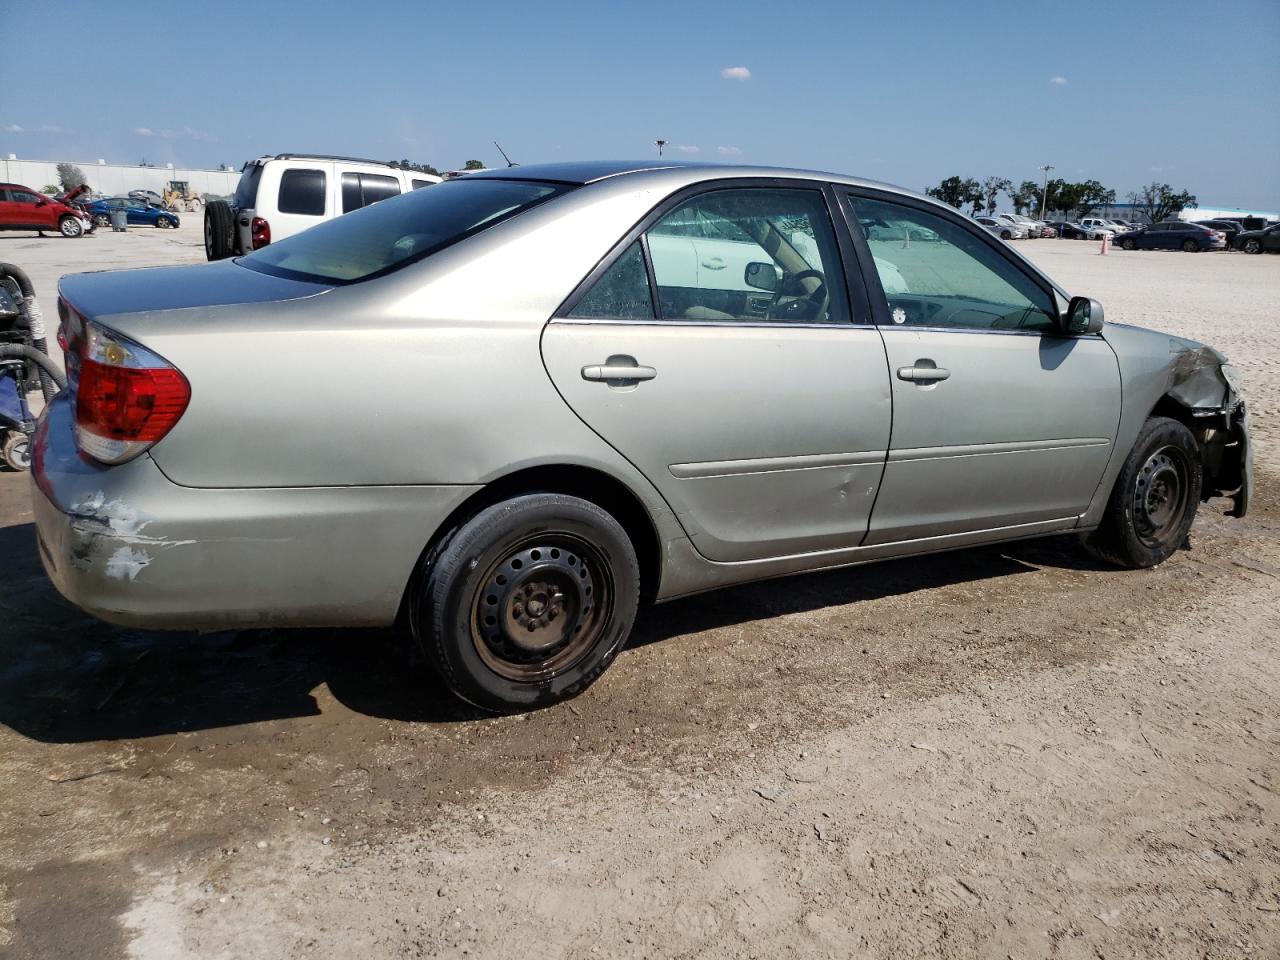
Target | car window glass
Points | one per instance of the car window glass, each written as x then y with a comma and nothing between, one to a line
419,184
953,279
705,251
377,188
622,292
302,191
385,236
24,196
351,192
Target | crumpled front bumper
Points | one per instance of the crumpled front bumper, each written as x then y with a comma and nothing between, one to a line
1240,430
129,546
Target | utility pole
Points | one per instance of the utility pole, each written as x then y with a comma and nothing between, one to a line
661,144
1045,195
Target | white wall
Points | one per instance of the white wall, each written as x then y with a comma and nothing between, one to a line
114,179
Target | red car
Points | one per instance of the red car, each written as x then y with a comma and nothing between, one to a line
22,208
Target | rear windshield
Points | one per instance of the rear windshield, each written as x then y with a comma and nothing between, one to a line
380,238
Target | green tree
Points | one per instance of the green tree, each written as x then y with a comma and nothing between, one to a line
1026,198
410,165
473,165
1159,201
958,192
70,176
1092,196
992,187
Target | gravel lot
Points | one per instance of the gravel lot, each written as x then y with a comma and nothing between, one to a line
999,752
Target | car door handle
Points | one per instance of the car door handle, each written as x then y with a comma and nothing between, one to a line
618,370
921,374
714,263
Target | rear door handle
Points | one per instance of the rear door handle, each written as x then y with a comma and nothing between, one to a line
618,369
923,374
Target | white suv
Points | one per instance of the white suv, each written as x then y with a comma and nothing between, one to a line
283,195
1100,225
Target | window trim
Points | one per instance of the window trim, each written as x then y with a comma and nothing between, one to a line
880,305
860,314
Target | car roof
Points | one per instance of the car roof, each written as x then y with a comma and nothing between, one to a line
582,172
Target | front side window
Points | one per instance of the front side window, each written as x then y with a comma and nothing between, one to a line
754,254
23,196
953,279
386,236
302,191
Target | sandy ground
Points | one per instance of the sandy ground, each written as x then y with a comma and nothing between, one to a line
1004,752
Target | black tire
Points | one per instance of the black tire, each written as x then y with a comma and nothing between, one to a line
528,602
1129,244
102,220
1252,245
1190,246
70,226
219,223
1154,501
1006,235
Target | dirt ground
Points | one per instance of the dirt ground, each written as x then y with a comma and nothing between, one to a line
1001,752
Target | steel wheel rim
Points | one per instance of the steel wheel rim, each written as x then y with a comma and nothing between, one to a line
19,454
1253,246
541,607
1160,497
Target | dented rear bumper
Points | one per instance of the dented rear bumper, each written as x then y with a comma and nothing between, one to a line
128,545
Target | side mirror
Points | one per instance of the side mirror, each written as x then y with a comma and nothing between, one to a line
761,276
42,202
1084,316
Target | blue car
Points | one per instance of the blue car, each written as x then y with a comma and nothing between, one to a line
138,213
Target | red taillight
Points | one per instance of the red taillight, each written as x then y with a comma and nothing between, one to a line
259,232
127,397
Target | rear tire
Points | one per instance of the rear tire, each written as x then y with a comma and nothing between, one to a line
1129,244
528,602
218,226
1154,501
70,226
1190,246
1252,246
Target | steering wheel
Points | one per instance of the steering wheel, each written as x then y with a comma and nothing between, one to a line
816,303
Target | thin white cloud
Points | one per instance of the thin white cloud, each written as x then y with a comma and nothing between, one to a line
1058,81
186,133
688,148
13,128
729,151
736,73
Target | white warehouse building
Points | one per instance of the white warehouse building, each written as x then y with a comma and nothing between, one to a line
115,179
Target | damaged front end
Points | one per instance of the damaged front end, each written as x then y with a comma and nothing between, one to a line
1206,385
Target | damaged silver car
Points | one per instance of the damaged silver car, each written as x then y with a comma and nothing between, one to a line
596,385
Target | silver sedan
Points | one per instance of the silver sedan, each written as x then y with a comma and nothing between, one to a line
597,385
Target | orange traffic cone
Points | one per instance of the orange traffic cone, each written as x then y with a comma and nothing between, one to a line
1105,238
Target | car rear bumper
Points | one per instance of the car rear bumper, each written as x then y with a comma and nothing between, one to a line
129,546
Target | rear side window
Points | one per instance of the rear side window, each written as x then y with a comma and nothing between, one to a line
419,184
247,189
302,191
386,236
622,293
361,189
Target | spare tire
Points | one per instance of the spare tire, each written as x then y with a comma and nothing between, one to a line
219,223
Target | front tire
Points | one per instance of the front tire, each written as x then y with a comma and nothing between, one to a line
1129,244
102,220
1154,501
17,451
70,226
1252,246
528,602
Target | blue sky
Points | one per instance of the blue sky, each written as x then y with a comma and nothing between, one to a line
1182,91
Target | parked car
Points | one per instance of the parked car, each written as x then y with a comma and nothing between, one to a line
1256,241
285,194
1002,228
1230,229
563,423
78,199
1075,231
1174,235
1032,228
149,197
1047,232
136,213
1097,227
22,208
